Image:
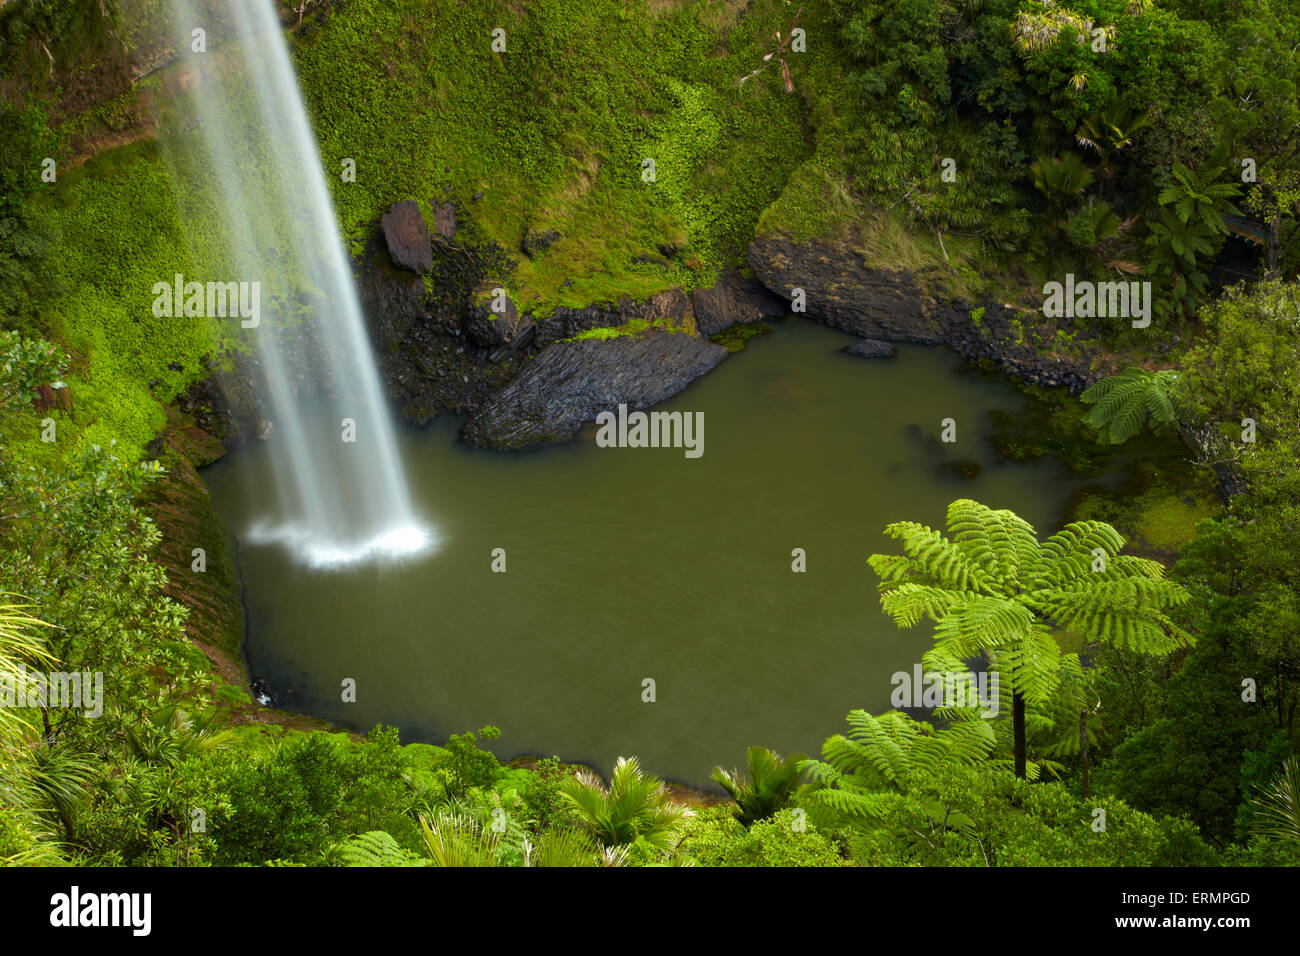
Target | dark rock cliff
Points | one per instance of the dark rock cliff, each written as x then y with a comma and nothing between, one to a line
841,291
569,383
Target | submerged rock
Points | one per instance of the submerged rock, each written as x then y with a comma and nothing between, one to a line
420,410
961,468
407,236
872,348
569,383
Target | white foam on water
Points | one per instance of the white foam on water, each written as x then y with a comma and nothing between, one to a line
322,553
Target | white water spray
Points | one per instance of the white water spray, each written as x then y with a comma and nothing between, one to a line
341,495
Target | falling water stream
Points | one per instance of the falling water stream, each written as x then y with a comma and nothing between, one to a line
340,495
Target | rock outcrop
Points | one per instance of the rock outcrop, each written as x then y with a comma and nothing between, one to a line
733,299
537,241
407,237
565,323
444,219
427,361
843,292
569,383
493,320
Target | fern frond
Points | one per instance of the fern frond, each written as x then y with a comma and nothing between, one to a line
1030,667
1068,554
1126,613
998,542
968,743
1124,402
375,848
980,623
858,804
929,556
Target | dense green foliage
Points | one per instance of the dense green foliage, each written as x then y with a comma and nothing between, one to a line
1105,138
554,131
25,141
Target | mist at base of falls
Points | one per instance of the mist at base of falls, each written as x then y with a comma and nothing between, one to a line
250,183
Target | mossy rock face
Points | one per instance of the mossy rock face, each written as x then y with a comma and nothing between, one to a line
494,320
1156,510
537,241
444,219
420,411
1168,521
182,509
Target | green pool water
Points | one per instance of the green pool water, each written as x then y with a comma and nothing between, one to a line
624,564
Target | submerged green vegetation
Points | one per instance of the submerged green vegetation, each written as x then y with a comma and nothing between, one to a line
1166,701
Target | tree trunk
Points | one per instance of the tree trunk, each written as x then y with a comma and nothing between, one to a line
1273,254
1083,748
1018,727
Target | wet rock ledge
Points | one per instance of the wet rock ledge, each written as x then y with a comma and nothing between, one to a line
569,383
444,339
876,304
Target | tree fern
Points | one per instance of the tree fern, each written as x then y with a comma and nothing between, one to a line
992,590
865,773
1124,403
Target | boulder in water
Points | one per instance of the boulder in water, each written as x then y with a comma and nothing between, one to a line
260,693
872,348
569,383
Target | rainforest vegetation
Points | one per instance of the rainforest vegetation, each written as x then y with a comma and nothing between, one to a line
1150,642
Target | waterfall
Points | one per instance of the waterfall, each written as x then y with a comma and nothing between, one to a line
250,169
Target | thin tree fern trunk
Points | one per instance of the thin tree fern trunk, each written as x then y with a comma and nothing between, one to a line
1083,748
1018,727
